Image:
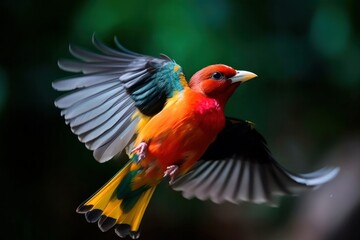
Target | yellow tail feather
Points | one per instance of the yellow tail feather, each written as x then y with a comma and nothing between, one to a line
134,216
105,208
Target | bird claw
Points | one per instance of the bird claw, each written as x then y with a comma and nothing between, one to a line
171,171
140,151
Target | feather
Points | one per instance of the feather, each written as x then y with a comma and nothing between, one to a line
104,206
246,183
117,143
77,96
82,81
114,85
87,111
247,172
88,56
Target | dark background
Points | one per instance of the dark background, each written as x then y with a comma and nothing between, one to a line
306,102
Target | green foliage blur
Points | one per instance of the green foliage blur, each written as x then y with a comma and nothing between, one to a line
305,101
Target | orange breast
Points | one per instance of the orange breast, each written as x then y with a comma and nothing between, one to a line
181,132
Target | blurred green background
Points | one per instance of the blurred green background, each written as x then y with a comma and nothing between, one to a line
305,101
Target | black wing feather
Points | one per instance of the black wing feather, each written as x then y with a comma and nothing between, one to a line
238,166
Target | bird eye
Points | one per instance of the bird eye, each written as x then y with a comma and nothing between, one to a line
217,75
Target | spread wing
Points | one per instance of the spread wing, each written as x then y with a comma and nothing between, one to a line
238,166
112,86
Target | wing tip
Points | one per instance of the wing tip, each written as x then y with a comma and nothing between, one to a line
323,176
54,85
101,157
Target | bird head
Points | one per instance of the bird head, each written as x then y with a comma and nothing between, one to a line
219,81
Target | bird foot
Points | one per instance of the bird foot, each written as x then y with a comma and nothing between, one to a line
140,151
171,171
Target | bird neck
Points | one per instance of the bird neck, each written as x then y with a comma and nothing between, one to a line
207,109
223,95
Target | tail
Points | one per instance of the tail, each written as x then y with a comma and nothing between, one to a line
117,204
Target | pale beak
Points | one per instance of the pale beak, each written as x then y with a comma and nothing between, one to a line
242,76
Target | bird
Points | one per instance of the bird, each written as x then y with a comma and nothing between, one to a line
170,128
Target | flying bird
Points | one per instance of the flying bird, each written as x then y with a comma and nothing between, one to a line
171,129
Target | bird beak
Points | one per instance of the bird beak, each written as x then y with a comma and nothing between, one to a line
242,76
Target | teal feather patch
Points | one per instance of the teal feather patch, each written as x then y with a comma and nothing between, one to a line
128,203
124,188
129,196
169,78
151,88
135,158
